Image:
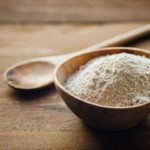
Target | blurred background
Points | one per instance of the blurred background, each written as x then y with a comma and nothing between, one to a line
33,28
47,11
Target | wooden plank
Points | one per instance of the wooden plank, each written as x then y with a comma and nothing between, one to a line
66,140
41,120
47,117
38,40
73,10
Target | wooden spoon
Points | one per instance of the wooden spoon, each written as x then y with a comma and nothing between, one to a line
38,73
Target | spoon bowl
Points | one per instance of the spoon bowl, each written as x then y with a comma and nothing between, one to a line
94,115
22,76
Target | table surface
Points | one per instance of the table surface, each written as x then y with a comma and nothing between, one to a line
41,120
43,11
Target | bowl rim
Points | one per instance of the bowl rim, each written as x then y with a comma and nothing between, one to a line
57,83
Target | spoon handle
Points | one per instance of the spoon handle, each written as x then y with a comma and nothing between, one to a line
122,39
119,40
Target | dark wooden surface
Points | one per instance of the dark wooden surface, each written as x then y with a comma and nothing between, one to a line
73,10
41,120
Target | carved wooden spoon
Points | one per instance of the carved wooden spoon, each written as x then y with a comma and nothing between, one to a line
38,72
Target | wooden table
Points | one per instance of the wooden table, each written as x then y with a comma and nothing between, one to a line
41,120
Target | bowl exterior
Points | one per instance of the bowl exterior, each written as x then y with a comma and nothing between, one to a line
103,118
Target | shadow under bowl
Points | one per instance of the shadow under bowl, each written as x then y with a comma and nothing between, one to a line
94,115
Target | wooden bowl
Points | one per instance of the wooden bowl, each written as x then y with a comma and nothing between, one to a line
94,115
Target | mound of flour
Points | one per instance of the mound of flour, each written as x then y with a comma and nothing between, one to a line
115,80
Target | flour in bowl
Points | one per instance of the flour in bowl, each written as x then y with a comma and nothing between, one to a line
116,80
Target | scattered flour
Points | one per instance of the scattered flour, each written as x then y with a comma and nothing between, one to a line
117,80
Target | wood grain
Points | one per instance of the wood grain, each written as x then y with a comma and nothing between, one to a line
40,120
73,10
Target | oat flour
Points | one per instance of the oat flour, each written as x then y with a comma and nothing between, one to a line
115,80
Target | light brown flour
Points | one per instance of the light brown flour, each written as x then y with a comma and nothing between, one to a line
116,80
